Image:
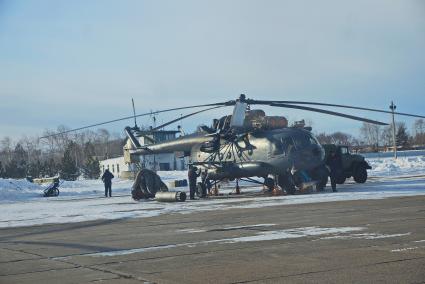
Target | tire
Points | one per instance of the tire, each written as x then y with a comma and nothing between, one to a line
269,183
286,183
341,179
360,174
321,175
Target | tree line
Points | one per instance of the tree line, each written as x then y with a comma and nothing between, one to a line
374,137
68,155
73,154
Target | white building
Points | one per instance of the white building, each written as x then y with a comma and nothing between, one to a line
127,165
114,165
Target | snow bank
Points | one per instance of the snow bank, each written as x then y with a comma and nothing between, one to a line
397,167
18,190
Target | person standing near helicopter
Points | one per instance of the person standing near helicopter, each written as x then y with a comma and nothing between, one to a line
335,165
192,176
107,180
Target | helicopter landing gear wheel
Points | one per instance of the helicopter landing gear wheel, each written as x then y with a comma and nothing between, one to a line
269,183
340,179
286,183
321,175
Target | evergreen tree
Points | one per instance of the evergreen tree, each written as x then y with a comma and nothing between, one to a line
2,171
69,170
19,153
21,169
402,139
11,169
17,166
91,168
35,169
49,168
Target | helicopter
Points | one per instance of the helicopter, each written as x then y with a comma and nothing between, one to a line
248,144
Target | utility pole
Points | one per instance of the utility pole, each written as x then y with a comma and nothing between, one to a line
392,108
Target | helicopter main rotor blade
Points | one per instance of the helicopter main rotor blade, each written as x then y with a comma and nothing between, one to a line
333,105
185,116
228,103
328,112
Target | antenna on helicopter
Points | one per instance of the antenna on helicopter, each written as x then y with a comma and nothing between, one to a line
134,114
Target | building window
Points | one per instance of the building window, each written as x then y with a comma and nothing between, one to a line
113,168
103,168
164,166
118,168
107,167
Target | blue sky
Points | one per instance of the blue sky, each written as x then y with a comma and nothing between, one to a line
80,62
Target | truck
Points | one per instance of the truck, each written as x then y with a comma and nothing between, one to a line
353,165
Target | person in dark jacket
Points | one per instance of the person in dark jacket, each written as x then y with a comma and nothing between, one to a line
107,180
335,165
192,176
206,184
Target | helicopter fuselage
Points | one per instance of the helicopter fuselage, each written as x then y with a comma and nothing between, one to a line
257,153
261,153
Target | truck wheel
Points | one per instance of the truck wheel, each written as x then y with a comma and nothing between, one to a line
360,174
341,179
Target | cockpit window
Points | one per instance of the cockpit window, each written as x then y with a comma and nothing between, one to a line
302,141
313,140
287,144
284,146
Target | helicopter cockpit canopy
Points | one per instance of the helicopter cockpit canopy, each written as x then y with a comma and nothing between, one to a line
285,144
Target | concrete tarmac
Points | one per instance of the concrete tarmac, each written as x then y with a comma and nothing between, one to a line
365,241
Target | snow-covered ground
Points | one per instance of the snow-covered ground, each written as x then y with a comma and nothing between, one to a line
22,204
410,165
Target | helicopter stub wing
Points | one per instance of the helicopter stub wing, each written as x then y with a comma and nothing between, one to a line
181,144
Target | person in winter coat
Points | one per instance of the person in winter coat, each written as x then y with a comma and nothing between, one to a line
107,180
335,165
192,176
206,184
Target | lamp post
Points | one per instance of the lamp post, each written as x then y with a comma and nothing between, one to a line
392,108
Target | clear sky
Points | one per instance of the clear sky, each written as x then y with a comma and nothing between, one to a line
80,62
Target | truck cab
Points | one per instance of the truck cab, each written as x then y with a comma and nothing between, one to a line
353,165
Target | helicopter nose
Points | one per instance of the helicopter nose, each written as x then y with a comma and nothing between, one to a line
316,151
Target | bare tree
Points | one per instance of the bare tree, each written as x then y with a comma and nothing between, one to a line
387,136
370,133
104,139
7,148
419,129
341,138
